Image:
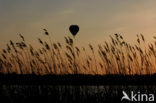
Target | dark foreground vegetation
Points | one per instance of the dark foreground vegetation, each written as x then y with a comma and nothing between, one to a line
54,58
15,79
68,73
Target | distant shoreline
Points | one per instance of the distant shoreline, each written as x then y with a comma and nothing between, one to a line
14,79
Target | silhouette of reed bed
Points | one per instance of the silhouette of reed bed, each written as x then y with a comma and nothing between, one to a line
50,57
77,79
69,73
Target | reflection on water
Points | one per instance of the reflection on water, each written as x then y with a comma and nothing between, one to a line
71,93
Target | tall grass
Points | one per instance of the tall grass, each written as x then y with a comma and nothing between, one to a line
114,57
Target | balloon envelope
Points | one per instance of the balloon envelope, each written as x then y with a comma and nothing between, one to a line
74,29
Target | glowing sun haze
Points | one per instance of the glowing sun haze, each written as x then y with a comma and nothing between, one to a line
97,18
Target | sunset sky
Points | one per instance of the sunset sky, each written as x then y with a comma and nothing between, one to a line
97,19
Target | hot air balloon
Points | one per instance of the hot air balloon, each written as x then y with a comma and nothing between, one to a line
74,29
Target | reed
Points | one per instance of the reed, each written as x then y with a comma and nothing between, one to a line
113,57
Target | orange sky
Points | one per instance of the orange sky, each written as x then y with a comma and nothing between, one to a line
97,19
